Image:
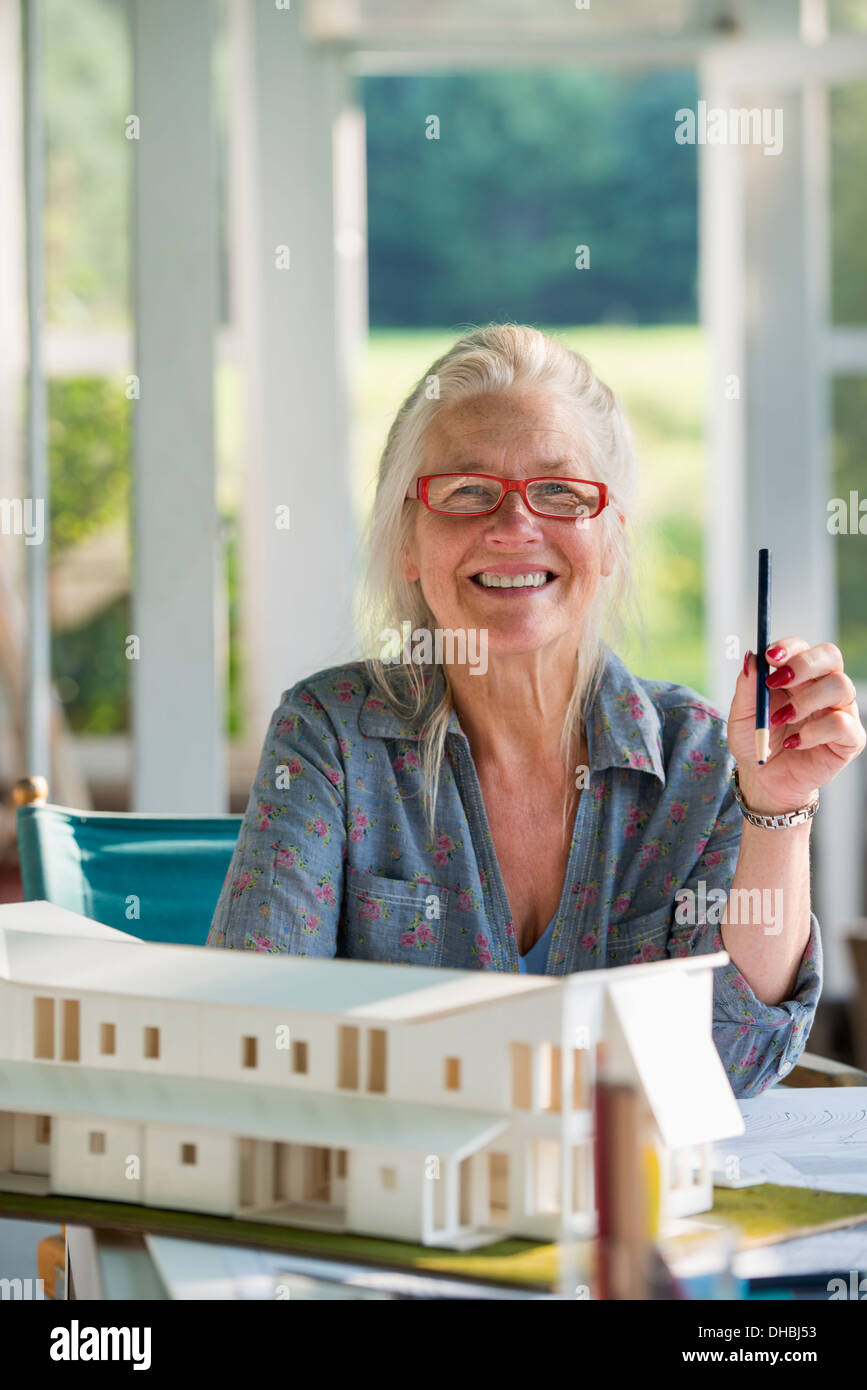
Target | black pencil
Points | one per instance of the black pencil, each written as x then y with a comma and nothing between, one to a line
763,734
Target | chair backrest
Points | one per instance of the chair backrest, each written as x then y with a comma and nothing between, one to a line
156,877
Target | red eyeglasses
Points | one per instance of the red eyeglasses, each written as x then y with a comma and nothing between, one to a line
477,494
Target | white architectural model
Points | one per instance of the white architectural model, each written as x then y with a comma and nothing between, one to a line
437,1106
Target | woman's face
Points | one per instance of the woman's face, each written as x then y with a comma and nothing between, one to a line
522,434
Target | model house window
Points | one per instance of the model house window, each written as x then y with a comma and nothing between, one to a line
107,1039
347,1059
546,1175
551,1091
465,1191
580,1078
70,1030
522,1075
376,1059
686,1167
341,1163
246,1156
43,1027
43,1129
152,1042
582,1177
389,1178
318,1184
96,1141
280,1172
250,1052
453,1074
299,1058
441,1216
498,1186
696,1167
188,1153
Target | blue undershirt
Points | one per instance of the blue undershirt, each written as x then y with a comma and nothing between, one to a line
534,962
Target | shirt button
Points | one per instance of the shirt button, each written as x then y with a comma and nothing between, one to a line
783,1068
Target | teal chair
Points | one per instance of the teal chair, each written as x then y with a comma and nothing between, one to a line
93,861
96,862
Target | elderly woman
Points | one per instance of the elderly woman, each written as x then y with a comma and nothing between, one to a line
518,799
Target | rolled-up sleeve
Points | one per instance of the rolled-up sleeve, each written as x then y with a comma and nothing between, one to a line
284,886
758,1043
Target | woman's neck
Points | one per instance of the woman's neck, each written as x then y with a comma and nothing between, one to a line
515,711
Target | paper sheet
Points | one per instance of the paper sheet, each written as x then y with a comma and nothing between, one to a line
829,1252
200,1270
815,1137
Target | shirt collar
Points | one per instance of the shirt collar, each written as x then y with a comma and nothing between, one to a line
623,726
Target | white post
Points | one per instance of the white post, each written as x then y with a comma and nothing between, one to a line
764,262
13,326
787,259
788,478
177,699
299,317
837,836
13,366
39,626
721,275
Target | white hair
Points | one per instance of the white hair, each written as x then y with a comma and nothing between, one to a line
486,361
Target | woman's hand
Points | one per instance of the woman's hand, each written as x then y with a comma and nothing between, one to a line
819,733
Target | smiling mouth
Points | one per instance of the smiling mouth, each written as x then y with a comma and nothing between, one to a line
533,580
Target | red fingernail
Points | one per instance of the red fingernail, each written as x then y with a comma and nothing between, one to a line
782,716
792,741
776,654
747,663
781,676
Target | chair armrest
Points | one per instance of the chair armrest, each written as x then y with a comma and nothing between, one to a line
813,1070
30,791
51,1260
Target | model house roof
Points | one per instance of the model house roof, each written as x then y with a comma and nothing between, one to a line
340,1120
686,1087
47,947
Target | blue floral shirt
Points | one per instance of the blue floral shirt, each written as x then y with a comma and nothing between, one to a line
334,856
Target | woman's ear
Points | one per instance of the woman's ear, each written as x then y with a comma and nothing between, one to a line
608,560
408,565
608,556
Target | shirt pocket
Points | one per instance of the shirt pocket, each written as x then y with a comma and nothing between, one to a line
393,919
639,939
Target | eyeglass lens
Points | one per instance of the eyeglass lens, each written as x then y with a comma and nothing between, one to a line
468,494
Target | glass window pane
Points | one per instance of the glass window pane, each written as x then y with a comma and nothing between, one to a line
87,95
849,476
848,203
846,16
89,458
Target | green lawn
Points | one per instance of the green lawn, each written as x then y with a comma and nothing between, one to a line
521,1263
767,1211
762,1214
659,374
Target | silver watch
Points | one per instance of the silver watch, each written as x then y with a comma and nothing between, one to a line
781,822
